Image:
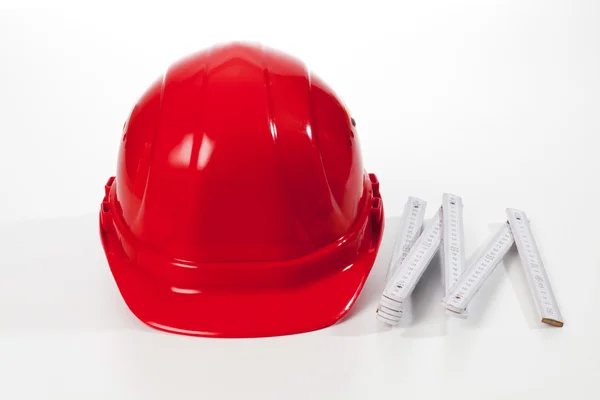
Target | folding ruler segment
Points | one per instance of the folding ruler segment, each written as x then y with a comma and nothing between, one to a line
537,278
388,315
474,277
404,280
410,229
452,248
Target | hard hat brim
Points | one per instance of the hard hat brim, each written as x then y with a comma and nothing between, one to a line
241,313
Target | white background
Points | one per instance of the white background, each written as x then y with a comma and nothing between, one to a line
496,101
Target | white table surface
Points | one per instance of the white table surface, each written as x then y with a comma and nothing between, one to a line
496,101
66,333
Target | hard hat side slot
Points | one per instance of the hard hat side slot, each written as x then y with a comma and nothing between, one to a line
376,215
375,185
108,186
105,216
376,218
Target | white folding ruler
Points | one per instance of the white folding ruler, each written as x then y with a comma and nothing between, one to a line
410,229
405,278
452,248
534,268
516,230
473,278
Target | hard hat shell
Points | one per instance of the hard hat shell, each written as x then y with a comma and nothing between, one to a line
240,207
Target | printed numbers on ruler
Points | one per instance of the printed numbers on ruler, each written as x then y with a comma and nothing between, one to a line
410,228
470,282
534,268
404,280
453,238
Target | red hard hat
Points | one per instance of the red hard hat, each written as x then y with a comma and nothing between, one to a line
240,207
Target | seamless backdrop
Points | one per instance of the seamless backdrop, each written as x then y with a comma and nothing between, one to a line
496,101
